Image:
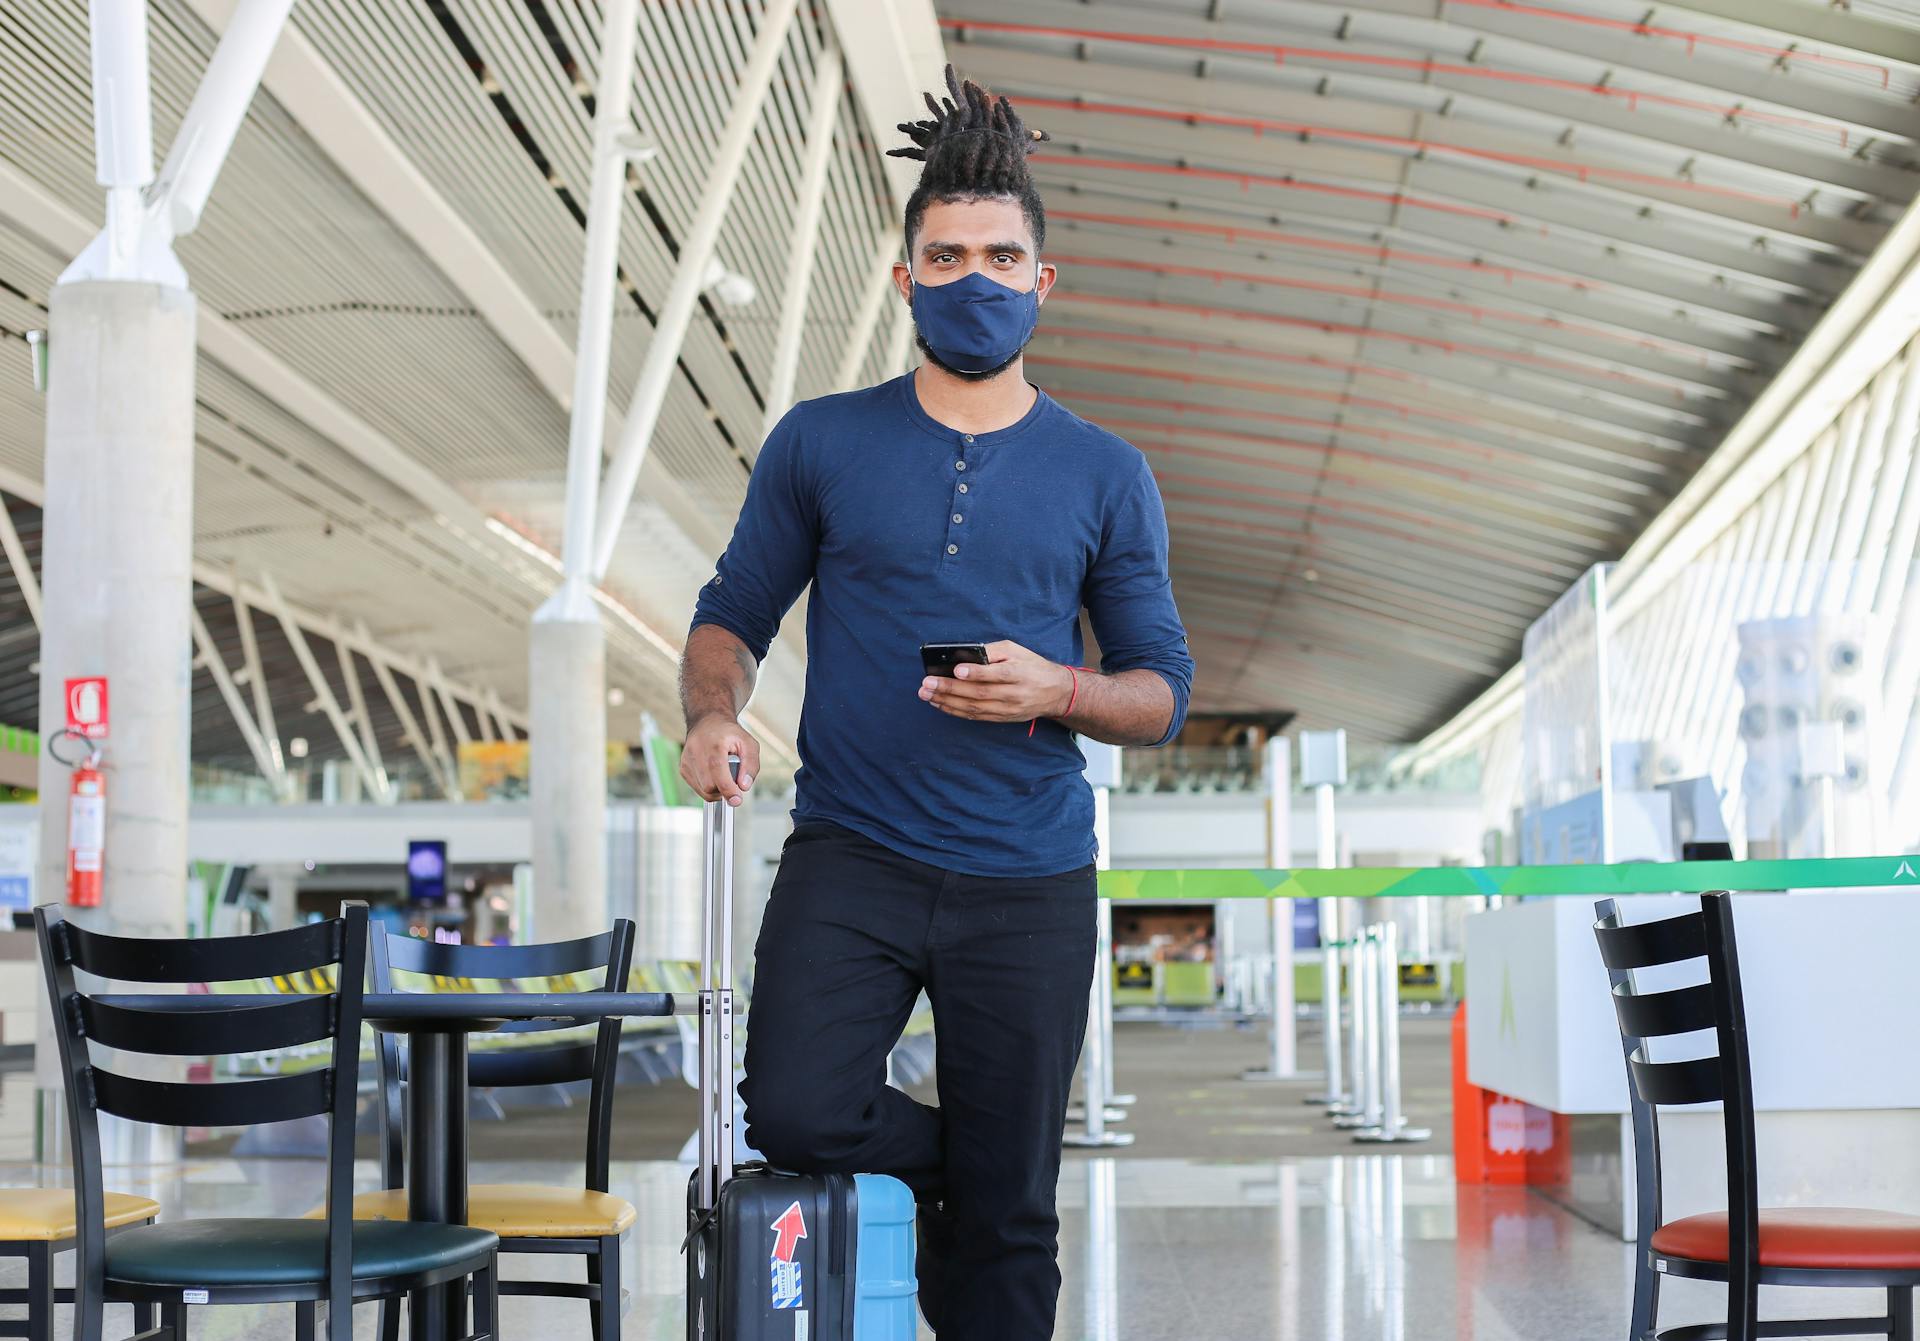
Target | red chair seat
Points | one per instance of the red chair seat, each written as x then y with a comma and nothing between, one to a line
1822,1238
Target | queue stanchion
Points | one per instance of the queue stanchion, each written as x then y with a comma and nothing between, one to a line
1393,1123
1335,1095
1282,1038
1364,1111
1094,1111
1356,1063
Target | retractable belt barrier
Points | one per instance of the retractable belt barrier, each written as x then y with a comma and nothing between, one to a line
1371,1108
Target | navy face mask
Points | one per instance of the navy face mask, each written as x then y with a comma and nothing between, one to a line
973,323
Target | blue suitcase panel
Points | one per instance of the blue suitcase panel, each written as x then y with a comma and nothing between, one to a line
886,1297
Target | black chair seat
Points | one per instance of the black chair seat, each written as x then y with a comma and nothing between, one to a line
252,1253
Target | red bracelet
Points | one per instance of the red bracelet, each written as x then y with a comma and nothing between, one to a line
1072,698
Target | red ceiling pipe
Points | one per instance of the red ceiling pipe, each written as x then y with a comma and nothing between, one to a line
1281,183
1453,445
1316,516
1127,426
1281,53
1363,333
1691,38
1316,500
1244,352
1306,131
1370,293
1397,408
1380,252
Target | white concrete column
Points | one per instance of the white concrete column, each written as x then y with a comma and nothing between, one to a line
117,558
283,897
569,766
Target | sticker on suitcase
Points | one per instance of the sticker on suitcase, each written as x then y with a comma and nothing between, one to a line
789,1291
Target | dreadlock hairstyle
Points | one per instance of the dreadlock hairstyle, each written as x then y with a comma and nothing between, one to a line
975,147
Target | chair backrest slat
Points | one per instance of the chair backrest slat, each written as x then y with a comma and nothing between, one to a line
276,1022
1683,1010
1646,944
412,954
219,1104
206,960
1696,1081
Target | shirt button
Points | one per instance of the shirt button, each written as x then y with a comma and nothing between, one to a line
959,465
963,488
957,519
953,549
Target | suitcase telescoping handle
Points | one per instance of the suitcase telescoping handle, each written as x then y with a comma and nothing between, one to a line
716,1002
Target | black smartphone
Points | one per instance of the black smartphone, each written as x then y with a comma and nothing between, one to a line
941,658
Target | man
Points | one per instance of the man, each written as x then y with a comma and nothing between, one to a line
943,833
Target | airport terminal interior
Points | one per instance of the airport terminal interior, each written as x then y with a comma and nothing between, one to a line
1532,393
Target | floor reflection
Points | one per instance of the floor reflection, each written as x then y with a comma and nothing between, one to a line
1362,1248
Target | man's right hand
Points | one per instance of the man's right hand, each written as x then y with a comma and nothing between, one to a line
703,761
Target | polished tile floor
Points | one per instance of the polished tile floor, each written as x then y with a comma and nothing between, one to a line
1359,1248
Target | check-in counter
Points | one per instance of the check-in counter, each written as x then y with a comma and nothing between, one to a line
1832,985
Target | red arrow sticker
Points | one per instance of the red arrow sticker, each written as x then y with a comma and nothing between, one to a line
788,1230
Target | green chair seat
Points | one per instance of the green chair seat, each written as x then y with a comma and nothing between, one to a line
217,1253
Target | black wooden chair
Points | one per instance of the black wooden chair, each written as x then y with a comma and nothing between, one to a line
1746,1247
234,1261
586,1221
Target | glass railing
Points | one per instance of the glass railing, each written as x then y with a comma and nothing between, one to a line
1225,770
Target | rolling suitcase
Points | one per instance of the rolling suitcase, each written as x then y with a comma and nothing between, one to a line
774,1256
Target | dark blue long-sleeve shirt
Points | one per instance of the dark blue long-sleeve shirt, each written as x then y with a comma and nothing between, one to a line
912,532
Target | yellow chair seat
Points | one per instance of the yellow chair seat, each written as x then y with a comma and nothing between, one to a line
45,1214
514,1211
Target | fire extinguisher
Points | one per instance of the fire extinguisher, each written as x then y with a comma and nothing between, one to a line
86,827
86,833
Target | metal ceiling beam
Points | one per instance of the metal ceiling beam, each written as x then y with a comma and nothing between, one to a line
1480,286
1663,341
410,725
1215,227
1197,554
1673,61
262,698
1419,396
1629,209
23,574
1414,470
1502,227
1752,291
1575,484
1394,404
376,781
263,759
1575,361
1465,369
887,250
1182,507
823,108
1870,37
1112,76
302,81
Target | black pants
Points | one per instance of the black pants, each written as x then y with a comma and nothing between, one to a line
853,932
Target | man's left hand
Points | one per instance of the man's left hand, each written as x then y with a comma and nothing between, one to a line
1014,686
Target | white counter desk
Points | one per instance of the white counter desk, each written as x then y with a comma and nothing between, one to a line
1832,985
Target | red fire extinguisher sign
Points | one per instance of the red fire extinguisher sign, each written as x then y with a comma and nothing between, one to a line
86,836
87,707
